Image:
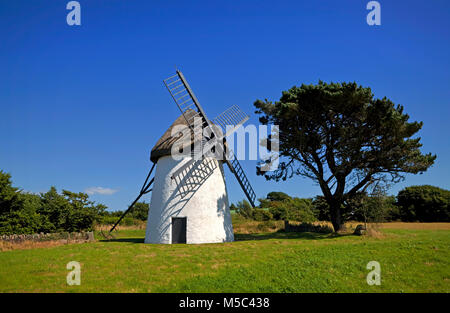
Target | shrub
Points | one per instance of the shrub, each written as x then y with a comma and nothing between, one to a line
140,211
424,204
261,215
244,209
308,227
294,209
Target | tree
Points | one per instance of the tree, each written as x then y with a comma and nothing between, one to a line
277,196
369,208
68,211
261,215
83,213
17,210
343,139
140,211
9,195
321,209
300,210
244,208
424,204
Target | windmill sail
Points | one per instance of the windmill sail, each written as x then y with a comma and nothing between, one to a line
238,172
233,118
186,100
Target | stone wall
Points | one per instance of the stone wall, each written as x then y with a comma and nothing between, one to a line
74,237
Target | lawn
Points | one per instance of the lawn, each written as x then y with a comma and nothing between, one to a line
412,259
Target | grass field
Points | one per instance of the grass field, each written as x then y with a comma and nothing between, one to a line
413,258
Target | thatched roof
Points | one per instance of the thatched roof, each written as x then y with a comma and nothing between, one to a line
164,145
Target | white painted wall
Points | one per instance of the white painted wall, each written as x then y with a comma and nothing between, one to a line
202,199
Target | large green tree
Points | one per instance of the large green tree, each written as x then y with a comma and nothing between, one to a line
343,138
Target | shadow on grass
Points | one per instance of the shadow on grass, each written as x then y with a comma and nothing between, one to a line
131,240
261,236
289,235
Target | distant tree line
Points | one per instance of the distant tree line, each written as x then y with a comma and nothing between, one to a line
138,214
26,213
412,204
277,206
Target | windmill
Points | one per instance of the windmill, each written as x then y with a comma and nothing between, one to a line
189,202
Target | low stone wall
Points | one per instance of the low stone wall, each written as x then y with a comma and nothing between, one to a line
70,237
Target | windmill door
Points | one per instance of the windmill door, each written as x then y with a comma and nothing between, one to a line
178,229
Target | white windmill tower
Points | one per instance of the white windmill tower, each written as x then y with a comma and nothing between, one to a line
189,202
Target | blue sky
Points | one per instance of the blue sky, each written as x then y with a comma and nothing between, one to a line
81,106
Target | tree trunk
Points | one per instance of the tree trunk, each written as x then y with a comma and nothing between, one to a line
336,217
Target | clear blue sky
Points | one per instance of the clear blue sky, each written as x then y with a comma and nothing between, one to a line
82,106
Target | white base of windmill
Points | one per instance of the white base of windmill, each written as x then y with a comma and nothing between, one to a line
197,194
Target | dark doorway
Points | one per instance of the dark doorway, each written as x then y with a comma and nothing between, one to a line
178,230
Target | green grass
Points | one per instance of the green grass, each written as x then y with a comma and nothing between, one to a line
411,261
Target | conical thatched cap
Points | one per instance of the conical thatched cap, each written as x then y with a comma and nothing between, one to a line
164,145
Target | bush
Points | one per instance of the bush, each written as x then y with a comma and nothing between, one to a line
294,209
244,209
277,206
308,227
261,215
424,204
266,226
140,211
